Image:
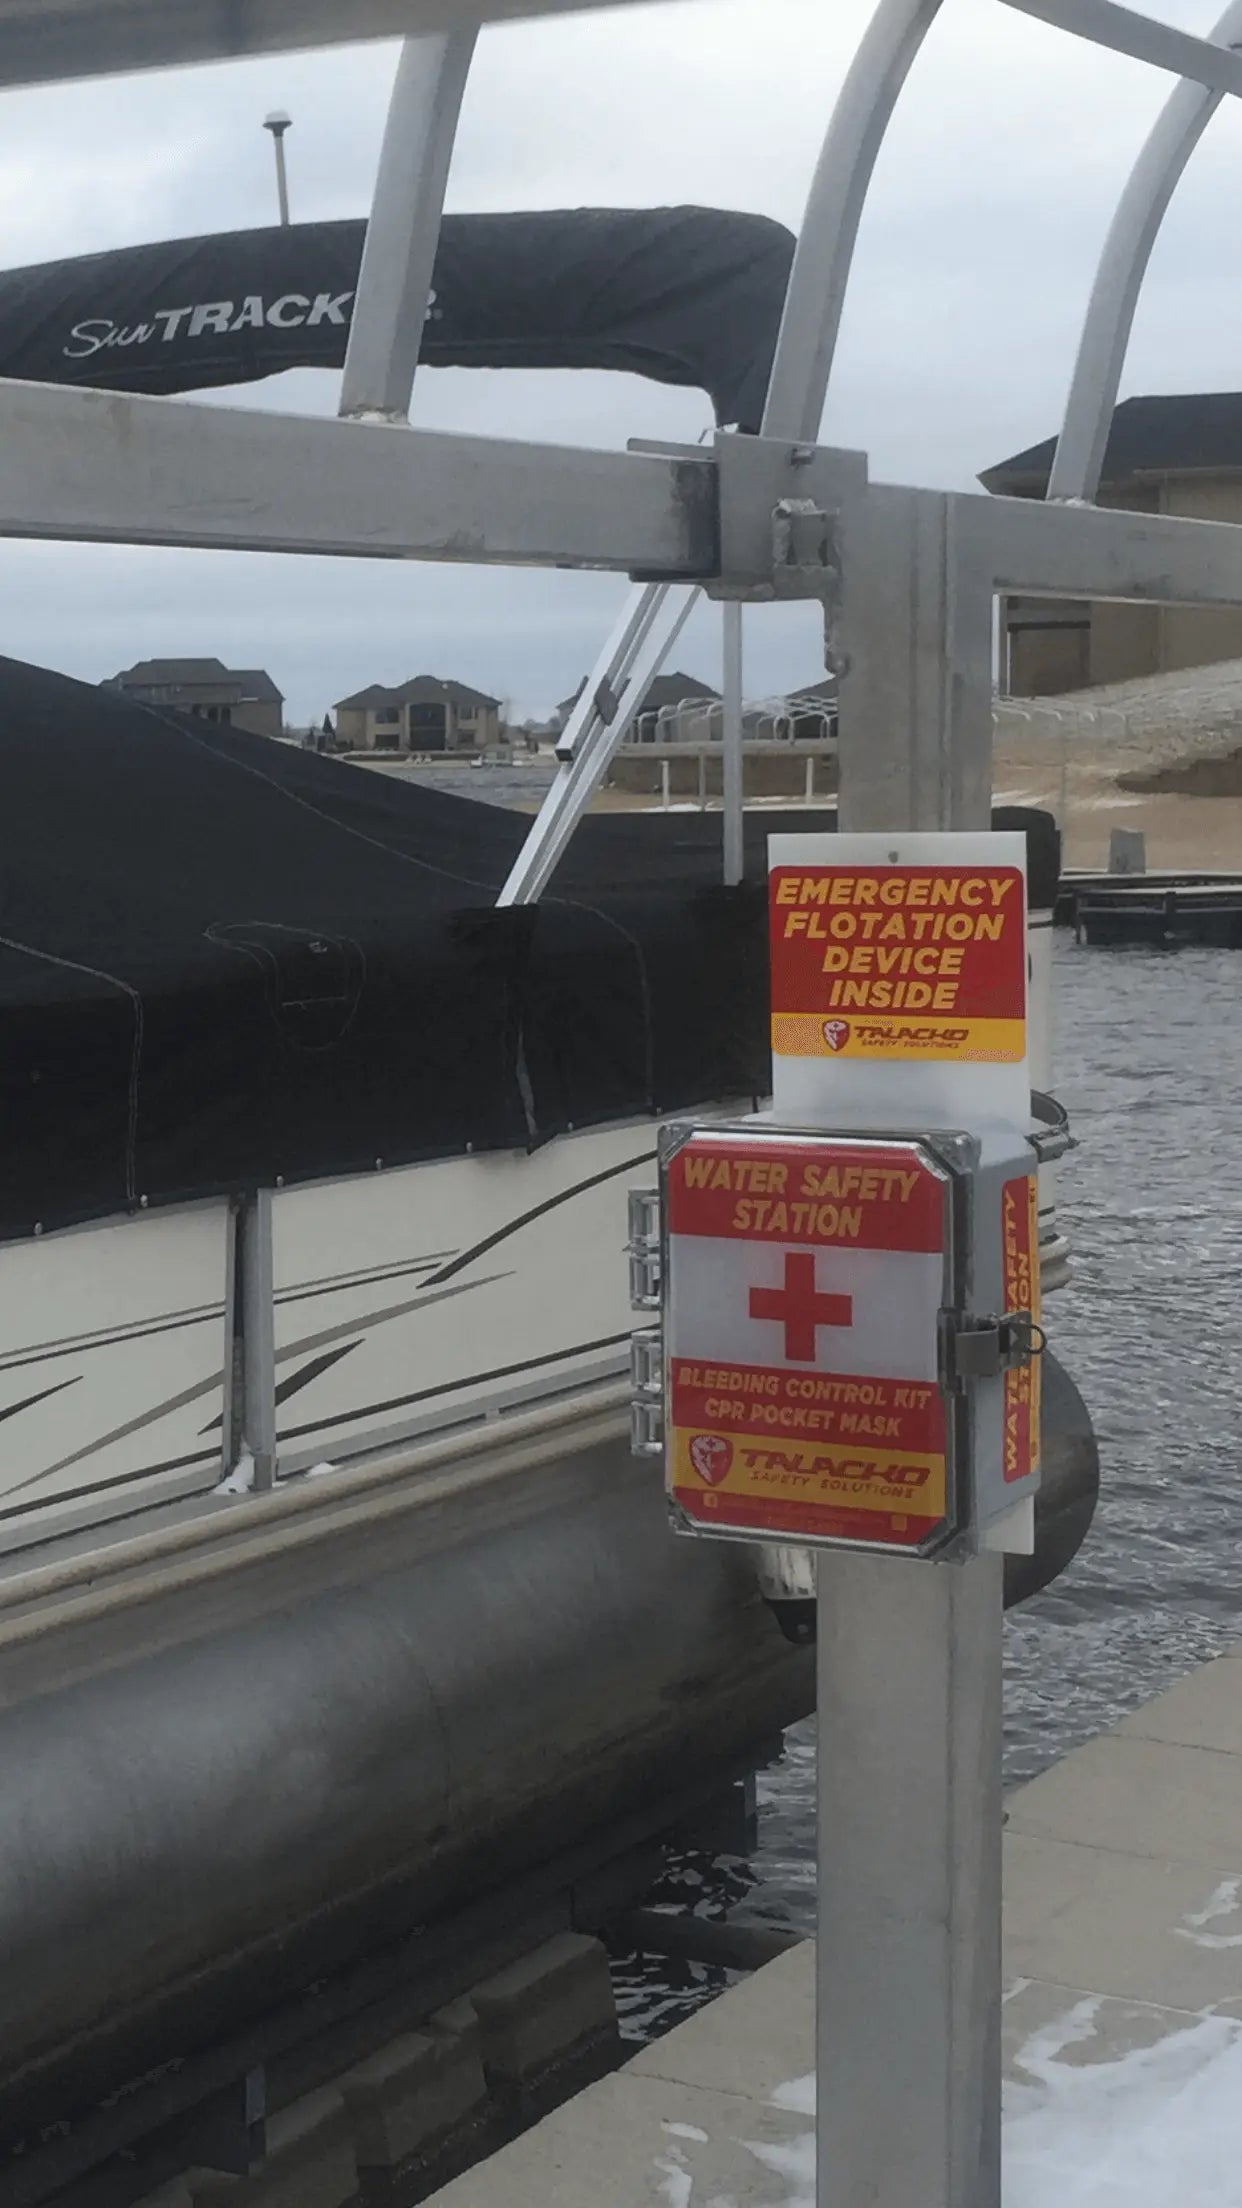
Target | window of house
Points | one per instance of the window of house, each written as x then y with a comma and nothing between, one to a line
389,715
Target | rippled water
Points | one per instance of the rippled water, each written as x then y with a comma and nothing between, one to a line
1149,1062
1150,1065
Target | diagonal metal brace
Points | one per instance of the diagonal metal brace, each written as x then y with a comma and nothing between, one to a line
1127,31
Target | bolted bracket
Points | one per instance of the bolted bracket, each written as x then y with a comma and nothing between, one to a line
785,512
782,514
781,510
804,549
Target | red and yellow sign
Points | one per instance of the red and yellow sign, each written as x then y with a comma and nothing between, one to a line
893,962
806,1278
1020,1247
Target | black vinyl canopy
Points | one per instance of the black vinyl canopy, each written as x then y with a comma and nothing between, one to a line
225,961
683,295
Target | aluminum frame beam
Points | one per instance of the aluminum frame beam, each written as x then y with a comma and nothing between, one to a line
1059,551
920,571
96,467
1079,459
58,41
403,230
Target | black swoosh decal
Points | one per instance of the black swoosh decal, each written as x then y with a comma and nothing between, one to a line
435,1281
454,1387
296,1380
189,1395
524,1218
11,1409
208,1458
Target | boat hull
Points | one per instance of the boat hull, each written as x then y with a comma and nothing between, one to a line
227,1764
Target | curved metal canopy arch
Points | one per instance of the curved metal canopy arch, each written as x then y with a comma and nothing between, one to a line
1123,264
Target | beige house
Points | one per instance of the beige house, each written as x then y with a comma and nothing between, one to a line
238,697
1175,455
424,714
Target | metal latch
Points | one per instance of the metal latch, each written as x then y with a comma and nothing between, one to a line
1051,1139
647,1398
643,1248
980,1348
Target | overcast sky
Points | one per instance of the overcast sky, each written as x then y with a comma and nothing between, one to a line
993,193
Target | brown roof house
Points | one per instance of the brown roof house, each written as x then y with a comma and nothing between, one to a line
423,714
675,707
1180,454
241,697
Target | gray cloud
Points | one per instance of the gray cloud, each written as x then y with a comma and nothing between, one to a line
990,203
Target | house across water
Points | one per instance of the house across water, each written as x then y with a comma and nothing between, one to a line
424,714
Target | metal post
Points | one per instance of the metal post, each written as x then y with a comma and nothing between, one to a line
250,1367
918,609
282,181
909,1964
732,794
1109,319
1063,815
278,123
399,255
909,1730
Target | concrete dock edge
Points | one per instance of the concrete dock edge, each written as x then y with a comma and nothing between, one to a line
1123,1924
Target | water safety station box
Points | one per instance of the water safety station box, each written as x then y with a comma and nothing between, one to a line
847,1348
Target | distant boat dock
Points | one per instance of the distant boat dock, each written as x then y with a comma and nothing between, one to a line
1160,910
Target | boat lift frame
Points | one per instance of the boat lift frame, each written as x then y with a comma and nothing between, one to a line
910,1670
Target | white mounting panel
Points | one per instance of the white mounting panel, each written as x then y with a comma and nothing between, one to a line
53,41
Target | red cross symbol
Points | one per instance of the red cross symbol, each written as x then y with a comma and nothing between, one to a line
800,1307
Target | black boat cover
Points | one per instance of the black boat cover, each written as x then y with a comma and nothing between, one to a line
683,295
224,960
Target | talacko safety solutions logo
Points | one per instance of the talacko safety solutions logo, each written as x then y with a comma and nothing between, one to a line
711,1455
874,1037
836,1033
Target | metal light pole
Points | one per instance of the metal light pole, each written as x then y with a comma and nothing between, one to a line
278,123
